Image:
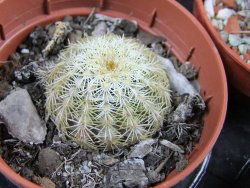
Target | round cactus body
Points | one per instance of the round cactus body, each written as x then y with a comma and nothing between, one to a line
107,92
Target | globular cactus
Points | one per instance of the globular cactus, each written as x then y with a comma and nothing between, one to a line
107,92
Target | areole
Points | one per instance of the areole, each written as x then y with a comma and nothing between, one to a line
162,17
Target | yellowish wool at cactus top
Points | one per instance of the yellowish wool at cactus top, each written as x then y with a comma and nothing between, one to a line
107,92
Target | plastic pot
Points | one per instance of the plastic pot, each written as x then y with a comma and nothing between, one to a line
238,71
162,17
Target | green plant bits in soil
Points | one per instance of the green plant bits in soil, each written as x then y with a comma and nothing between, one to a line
107,92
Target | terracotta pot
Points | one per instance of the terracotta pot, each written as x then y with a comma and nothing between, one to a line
238,71
161,17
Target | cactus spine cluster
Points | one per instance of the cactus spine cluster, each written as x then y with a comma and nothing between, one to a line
107,92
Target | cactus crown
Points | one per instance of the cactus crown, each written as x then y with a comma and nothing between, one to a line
107,92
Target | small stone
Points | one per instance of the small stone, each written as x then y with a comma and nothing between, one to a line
209,8
18,75
225,13
100,29
232,25
27,73
142,149
171,146
158,48
75,36
75,26
154,157
224,35
147,38
242,14
103,17
128,25
246,40
129,173
48,161
65,174
243,4
79,19
188,70
184,111
242,25
57,139
25,51
20,116
248,61
234,40
106,159
89,156
218,24
243,48
85,168
68,168
125,27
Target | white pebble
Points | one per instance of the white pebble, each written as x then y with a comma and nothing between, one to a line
241,23
242,13
246,40
209,7
65,174
25,51
224,35
218,24
243,48
178,82
225,13
68,168
248,62
234,40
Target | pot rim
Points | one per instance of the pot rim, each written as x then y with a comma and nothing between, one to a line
214,32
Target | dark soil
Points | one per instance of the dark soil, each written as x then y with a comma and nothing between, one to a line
64,162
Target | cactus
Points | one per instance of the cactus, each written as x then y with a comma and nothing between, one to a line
107,92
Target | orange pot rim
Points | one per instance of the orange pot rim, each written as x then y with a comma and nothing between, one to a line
217,37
